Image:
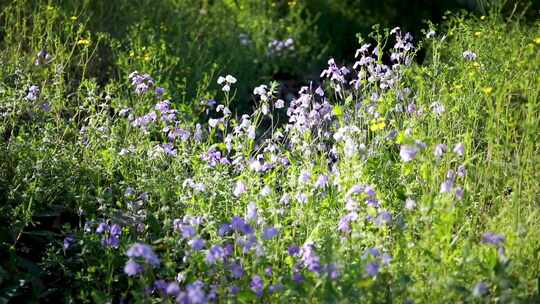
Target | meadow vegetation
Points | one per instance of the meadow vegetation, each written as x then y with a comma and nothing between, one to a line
162,151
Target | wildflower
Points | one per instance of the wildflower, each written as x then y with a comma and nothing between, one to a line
459,193
322,181
487,90
309,258
239,189
408,152
172,289
372,269
237,270
384,218
141,82
297,277
446,186
83,41
257,285
132,268
143,251
252,212
168,149
469,55
116,230
280,103
214,254
274,288
68,241
159,91
43,58
187,231
462,171
194,294
197,244
269,233
459,149
33,93
410,204
227,81
239,225
304,177
302,198
102,228
437,108
480,289
492,238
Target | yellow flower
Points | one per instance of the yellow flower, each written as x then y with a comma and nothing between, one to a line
377,124
477,34
482,17
83,41
537,40
487,90
73,18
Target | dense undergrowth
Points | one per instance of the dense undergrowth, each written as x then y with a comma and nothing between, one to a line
135,165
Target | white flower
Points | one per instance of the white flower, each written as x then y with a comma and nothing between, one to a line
230,79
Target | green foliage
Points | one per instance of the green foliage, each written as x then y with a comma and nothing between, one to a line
73,157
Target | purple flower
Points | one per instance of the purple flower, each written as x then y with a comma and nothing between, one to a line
297,277
169,149
194,294
238,224
234,290
102,228
310,259
172,289
269,233
116,230
159,91
322,181
459,149
197,244
132,268
372,269
408,152
187,231
239,189
224,229
274,288
279,104
111,241
440,149
237,270
469,55
462,171
68,241
492,238
143,251
446,186
33,93
480,289
257,285
332,271
304,177
293,250
141,82
252,213
214,254
459,193
384,218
